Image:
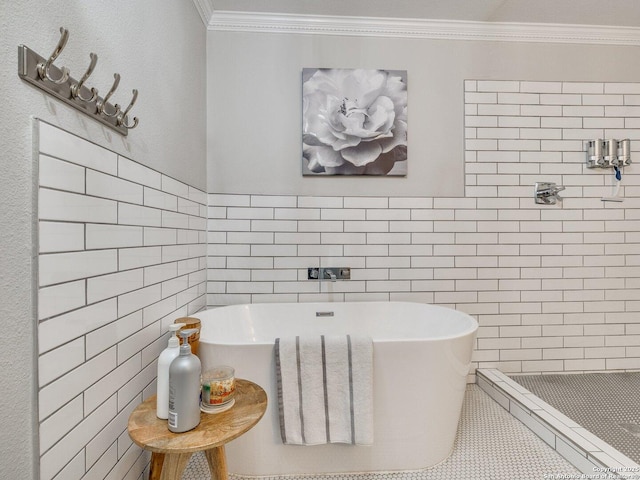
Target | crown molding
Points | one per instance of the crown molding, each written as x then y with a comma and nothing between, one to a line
229,21
205,9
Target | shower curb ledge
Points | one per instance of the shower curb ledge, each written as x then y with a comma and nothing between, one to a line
589,454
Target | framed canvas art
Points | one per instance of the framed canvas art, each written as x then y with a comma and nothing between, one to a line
354,122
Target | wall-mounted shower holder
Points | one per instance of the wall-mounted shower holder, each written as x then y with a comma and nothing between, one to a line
546,193
608,153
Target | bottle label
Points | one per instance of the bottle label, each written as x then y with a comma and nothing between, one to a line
173,419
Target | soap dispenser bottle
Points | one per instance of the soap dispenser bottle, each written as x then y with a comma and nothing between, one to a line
164,360
184,388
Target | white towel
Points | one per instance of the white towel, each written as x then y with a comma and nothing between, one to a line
325,389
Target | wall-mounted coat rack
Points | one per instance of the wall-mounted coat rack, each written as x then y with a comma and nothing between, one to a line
57,81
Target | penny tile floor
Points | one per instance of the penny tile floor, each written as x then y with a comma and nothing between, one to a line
490,445
606,404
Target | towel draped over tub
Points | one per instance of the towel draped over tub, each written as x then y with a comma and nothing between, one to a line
325,389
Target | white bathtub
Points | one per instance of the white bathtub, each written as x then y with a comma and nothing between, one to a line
422,355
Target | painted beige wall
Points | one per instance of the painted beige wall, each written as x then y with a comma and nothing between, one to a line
254,109
158,51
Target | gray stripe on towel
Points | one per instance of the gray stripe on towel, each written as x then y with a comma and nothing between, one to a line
326,393
283,431
300,388
351,408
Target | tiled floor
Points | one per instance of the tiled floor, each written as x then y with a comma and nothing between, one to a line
606,404
491,445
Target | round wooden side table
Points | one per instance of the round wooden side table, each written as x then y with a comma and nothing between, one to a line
171,451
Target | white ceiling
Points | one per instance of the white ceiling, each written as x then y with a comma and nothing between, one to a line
573,12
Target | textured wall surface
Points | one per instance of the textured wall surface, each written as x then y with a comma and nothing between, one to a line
554,288
152,49
254,103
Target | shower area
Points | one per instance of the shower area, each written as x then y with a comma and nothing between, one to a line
603,403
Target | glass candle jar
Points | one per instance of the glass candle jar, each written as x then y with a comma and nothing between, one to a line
218,385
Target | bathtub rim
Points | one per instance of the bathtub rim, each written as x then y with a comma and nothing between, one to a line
470,329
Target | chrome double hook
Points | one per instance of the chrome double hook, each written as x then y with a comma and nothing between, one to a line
43,68
122,118
100,104
76,88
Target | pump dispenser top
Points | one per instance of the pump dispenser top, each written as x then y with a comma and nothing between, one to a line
164,361
185,348
174,341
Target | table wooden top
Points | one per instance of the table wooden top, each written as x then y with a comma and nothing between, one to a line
214,430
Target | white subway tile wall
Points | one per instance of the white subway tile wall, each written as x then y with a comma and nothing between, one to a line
555,288
122,253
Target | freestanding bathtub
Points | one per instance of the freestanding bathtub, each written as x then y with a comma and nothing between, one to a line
422,355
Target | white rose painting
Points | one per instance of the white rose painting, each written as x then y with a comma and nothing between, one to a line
354,122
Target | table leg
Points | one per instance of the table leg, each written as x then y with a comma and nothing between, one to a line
217,463
173,466
156,466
